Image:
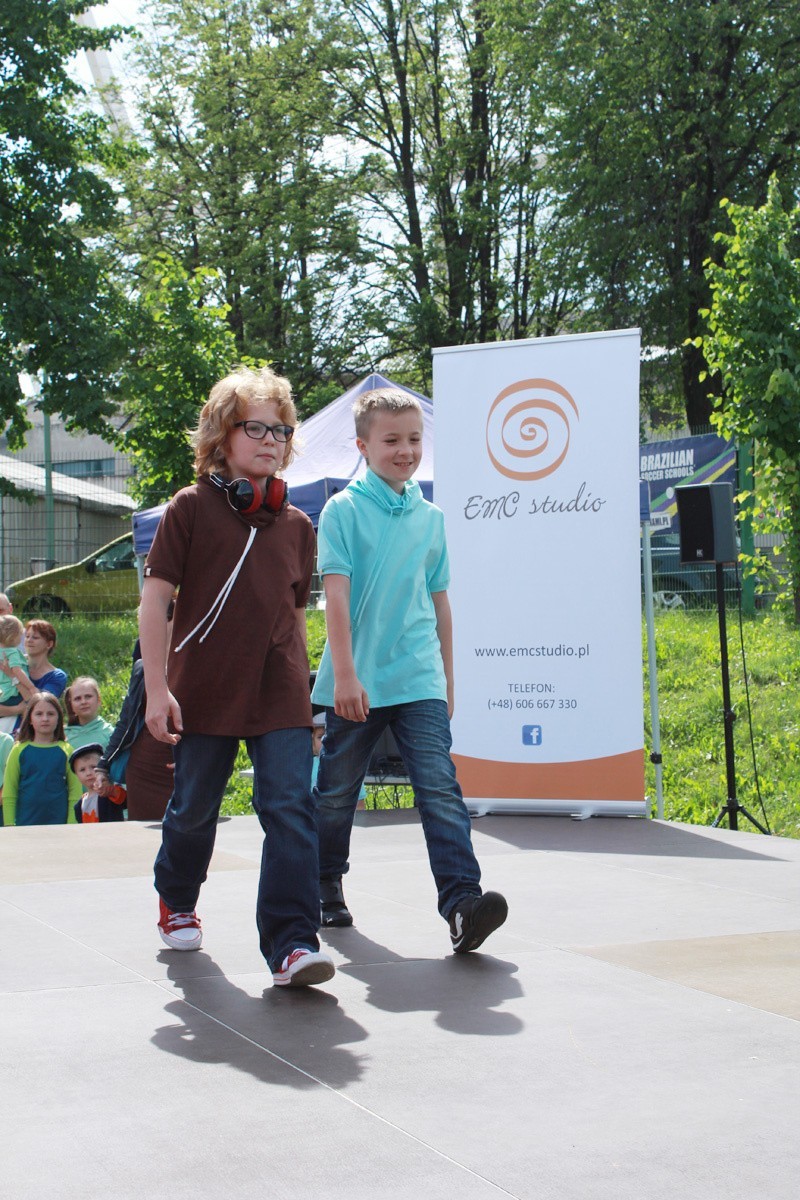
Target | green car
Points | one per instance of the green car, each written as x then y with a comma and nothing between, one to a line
105,582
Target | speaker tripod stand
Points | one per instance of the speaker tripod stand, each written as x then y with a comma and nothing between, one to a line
733,807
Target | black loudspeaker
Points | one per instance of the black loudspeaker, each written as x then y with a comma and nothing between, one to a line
386,757
707,523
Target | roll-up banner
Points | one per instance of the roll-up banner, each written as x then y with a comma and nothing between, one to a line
537,471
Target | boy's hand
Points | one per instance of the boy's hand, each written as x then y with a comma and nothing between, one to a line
158,715
350,700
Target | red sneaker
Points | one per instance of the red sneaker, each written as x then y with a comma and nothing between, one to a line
303,967
179,930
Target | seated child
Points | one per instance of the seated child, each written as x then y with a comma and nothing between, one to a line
102,800
13,666
84,723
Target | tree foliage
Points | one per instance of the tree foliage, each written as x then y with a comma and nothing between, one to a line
236,181
351,182
376,177
181,346
753,345
60,311
444,135
656,110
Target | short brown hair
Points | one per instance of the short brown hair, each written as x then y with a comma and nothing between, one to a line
26,728
44,629
227,403
386,399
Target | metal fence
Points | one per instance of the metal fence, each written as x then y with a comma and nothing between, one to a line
678,585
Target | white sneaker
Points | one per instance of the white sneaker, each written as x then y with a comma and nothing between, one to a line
179,930
303,967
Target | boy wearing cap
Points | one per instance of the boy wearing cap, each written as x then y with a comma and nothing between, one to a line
100,802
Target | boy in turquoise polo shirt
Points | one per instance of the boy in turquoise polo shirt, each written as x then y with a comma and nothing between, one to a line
388,662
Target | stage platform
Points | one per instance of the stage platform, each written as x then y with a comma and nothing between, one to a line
632,1031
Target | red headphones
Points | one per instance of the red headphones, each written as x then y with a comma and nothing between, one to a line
246,497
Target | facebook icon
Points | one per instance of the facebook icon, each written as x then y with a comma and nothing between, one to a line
531,735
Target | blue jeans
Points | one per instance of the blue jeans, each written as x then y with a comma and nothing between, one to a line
287,908
422,732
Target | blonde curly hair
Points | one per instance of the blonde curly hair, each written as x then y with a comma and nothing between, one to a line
228,402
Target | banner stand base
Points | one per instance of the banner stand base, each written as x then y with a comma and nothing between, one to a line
580,810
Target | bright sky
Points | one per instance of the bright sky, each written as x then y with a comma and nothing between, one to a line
115,12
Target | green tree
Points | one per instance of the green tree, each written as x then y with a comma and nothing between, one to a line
656,110
442,125
237,179
60,311
181,347
753,345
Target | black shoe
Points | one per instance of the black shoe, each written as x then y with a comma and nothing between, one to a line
474,918
331,898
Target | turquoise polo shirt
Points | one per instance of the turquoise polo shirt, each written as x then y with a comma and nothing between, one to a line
392,548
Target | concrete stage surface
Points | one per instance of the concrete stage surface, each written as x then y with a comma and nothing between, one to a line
632,1031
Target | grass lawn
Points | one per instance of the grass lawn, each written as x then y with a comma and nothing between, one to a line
690,708
691,717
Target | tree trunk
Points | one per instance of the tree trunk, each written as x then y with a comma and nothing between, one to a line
698,404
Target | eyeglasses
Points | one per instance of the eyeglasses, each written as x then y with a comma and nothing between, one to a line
258,430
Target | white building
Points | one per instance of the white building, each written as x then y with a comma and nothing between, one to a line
85,517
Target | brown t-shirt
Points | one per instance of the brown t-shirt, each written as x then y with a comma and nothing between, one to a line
250,674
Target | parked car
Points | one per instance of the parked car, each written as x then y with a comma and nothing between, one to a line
104,582
684,585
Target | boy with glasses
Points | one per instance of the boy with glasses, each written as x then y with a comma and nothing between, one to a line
242,559
388,662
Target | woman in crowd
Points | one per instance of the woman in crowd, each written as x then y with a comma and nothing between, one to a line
40,641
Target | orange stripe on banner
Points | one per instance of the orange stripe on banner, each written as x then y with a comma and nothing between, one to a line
618,777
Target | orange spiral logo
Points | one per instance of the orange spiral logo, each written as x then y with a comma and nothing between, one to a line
528,428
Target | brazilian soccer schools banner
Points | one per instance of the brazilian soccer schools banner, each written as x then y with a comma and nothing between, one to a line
537,471
706,458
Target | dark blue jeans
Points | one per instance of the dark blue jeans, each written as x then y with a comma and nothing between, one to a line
287,909
422,732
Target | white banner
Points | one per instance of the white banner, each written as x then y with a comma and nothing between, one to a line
537,471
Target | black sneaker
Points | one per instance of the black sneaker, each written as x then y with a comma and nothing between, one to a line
474,918
331,898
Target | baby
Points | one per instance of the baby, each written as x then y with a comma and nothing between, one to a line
13,666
